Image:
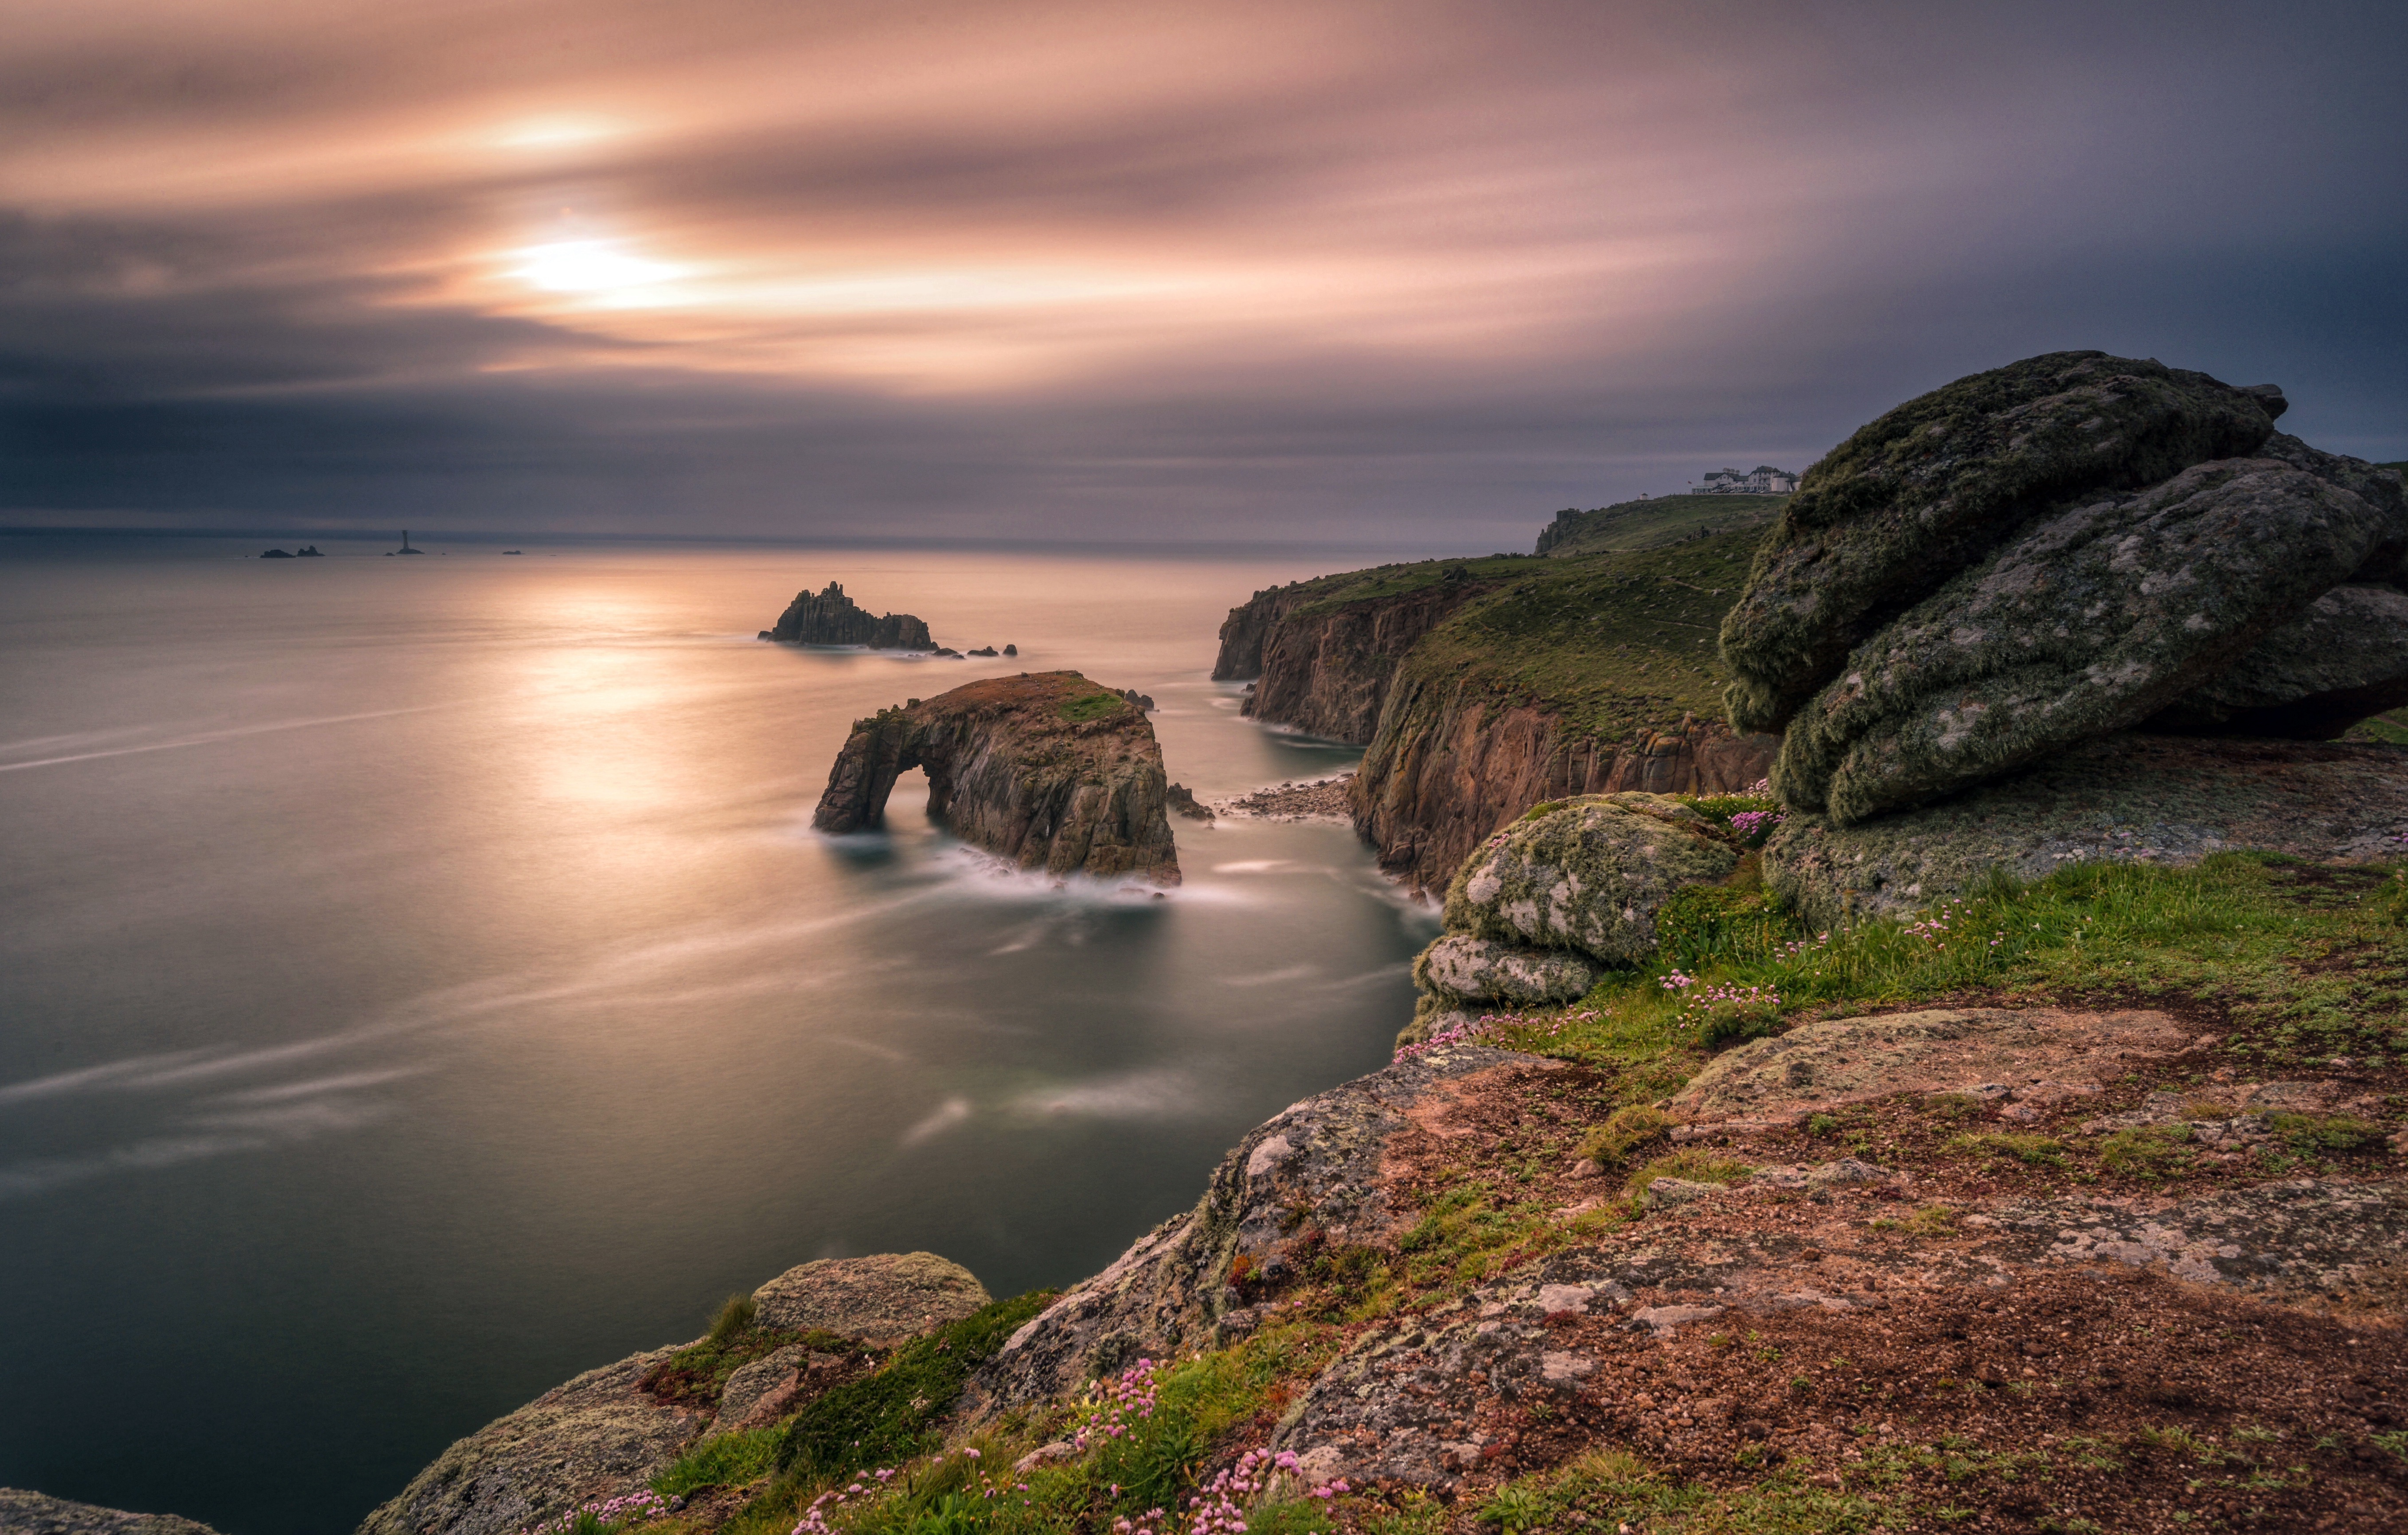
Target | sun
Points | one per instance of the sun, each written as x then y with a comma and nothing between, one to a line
587,266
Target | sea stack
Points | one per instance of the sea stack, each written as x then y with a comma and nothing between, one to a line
831,618
1047,770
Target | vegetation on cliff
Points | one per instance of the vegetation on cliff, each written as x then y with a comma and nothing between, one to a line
1653,522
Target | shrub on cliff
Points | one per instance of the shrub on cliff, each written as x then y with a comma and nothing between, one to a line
890,1417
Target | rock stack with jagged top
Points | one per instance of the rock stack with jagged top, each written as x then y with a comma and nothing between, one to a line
831,618
2001,573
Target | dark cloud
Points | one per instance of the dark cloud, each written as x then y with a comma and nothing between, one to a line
1244,272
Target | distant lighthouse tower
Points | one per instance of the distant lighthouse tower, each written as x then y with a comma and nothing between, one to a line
404,548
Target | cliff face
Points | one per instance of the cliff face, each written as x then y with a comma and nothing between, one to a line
1049,770
1452,764
1485,686
831,618
1326,669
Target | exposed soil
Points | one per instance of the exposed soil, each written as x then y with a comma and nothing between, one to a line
1913,1338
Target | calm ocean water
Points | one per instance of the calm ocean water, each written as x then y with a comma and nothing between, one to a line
419,984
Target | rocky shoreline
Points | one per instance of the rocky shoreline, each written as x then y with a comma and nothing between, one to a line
1316,800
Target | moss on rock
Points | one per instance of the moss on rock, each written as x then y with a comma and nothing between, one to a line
1588,877
1475,969
2088,623
2342,661
1933,485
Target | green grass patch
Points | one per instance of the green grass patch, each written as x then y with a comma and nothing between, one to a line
2310,962
2036,1150
888,1416
2150,1152
1609,1489
1624,1131
1691,1165
1092,706
1653,522
1610,643
1709,924
731,1461
2311,1133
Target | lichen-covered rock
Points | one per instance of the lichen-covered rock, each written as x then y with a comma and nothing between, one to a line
2378,485
1046,769
2163,800
2345,658
1934,485
2290,1238
1164,1293
1475,969
1587,875
2084,623
881,1300
1835,1061
597,1437
24,1513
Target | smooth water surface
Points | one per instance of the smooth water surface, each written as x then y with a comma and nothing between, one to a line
420,983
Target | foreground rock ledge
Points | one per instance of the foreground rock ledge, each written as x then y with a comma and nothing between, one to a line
1046,769
32,1514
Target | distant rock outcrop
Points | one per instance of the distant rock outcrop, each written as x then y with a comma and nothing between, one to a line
1047,770
2054,551
831,618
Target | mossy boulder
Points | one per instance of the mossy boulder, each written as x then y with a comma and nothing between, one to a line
1476,969
1587,875
2345,658
1934,485
881,1300
2086,623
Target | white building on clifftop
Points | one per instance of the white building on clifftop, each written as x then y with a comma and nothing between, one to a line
1764,480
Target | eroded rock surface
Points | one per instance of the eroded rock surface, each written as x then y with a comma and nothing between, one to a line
1168,1291
2156,800
1465,969
2344,658
880,1300
599,1436
2081,624
33,1513
2000,1051
1587,876
1934,485
1046,769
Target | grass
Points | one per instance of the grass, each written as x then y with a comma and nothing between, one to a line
1610,1489
1609,643
1092,706
1694,1165
890,1415
2308,962
1625,1130
1630,526
2038,1151
731,1461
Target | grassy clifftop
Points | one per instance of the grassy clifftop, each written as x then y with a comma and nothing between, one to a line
1610,642
1653,522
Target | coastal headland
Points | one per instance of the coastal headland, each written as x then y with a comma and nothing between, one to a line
1954,1131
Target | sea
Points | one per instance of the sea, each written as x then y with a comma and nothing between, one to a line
420,981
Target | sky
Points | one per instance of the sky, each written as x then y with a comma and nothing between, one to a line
1398,273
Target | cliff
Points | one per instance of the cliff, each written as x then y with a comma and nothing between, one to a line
1484,686
1047,770
1653,522
831,618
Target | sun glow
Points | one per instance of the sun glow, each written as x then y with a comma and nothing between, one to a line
588,267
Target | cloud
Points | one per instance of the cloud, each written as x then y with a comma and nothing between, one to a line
1234,271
